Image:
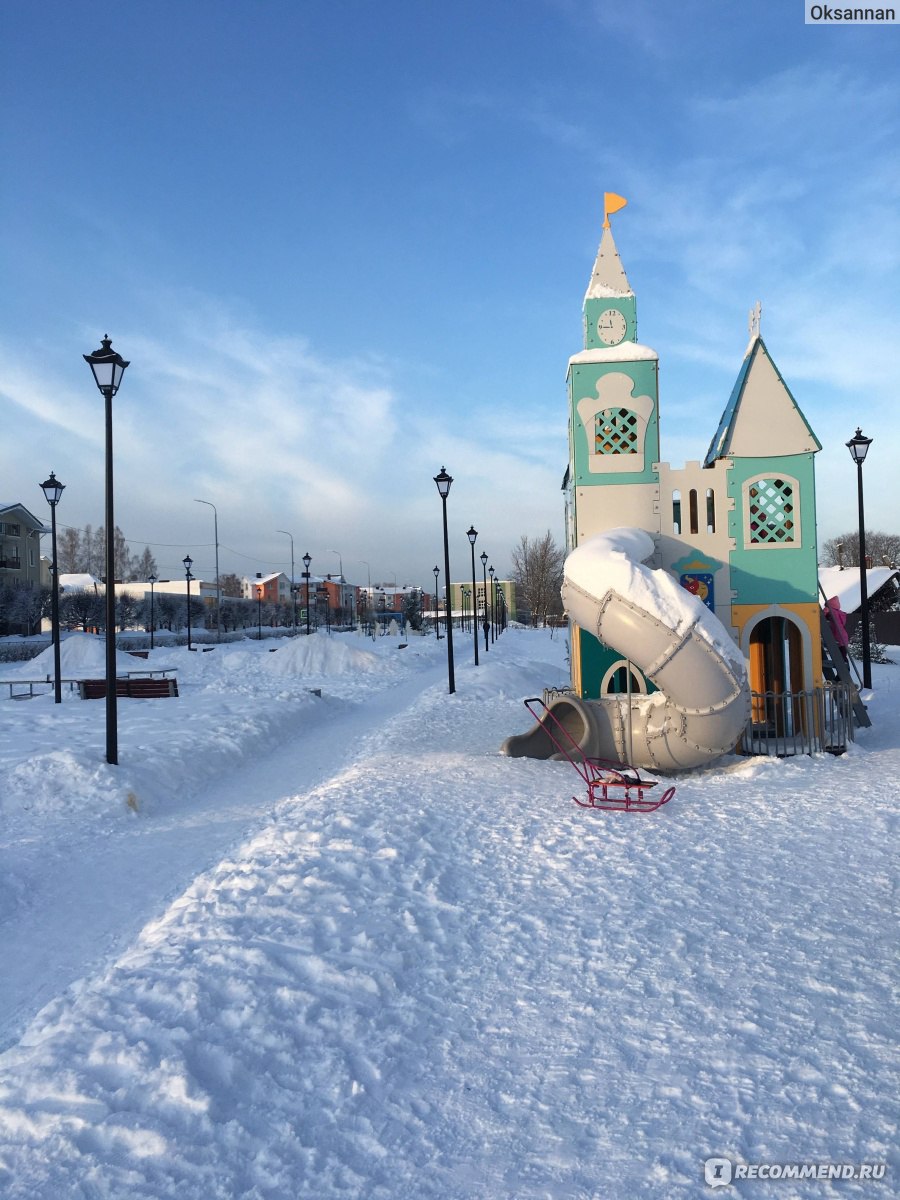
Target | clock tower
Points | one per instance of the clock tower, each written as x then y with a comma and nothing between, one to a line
613,408
613,478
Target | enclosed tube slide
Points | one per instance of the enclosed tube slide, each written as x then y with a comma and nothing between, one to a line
703,702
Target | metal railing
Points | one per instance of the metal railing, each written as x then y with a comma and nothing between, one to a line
784,724
816,721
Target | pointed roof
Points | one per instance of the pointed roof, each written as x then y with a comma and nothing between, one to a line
17,506
609,277
761,419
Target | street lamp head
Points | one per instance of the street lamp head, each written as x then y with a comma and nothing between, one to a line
471,534
151,579
188,563
483,557
306,560
491,572
443,481
108,367
52,490
859,447
437,571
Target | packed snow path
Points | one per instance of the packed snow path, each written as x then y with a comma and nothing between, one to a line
85,889
431,975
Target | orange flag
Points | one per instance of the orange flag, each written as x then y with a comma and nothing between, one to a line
611,203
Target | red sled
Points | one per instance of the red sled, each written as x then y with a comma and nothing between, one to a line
612,786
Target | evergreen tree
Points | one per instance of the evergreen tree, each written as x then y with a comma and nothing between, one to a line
412,609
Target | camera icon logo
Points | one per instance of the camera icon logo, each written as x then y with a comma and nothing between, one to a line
718,1172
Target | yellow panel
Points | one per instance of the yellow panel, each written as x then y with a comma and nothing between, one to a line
806,614
575,654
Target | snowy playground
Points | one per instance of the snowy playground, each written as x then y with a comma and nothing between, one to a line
338,945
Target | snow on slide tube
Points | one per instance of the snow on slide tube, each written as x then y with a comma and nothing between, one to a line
703,702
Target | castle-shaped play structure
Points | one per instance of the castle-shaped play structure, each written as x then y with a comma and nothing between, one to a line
692,593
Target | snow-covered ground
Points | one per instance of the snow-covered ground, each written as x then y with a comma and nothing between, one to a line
338,946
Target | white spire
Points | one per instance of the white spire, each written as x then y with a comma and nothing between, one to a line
609,277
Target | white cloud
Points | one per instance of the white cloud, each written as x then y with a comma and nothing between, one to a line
278,436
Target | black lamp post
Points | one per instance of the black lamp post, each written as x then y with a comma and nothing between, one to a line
437,605
209,504
306,562
188,563
859,447
443,481
472,534
293,591
259,596
152,582
53,490
485,625
493,622
108,368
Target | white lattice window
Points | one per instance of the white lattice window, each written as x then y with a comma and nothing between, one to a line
772,512
616,431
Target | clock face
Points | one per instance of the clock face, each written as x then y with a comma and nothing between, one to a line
611,327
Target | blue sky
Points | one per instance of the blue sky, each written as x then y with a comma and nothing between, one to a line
345,243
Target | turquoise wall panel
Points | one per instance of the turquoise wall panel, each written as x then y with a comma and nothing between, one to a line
583,380
777,574
596,660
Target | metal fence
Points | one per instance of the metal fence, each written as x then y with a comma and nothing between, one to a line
783,724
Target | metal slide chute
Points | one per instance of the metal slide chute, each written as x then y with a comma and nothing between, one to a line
703,702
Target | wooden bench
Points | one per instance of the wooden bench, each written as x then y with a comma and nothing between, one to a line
135,689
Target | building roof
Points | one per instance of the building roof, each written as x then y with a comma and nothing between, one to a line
761,419
608,278
17,506
78,582
845,583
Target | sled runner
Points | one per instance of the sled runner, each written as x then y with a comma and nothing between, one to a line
610,785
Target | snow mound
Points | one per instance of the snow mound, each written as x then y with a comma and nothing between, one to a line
321,655
81,656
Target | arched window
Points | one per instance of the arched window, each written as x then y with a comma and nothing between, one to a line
710,511
615,681
692,509
676,511
770,510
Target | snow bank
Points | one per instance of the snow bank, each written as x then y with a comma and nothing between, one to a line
392,963
81,656
321,655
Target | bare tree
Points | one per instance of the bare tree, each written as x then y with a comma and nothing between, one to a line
843,550
68,548
91,555
538,572
128,610
143,565
230,585
81,607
